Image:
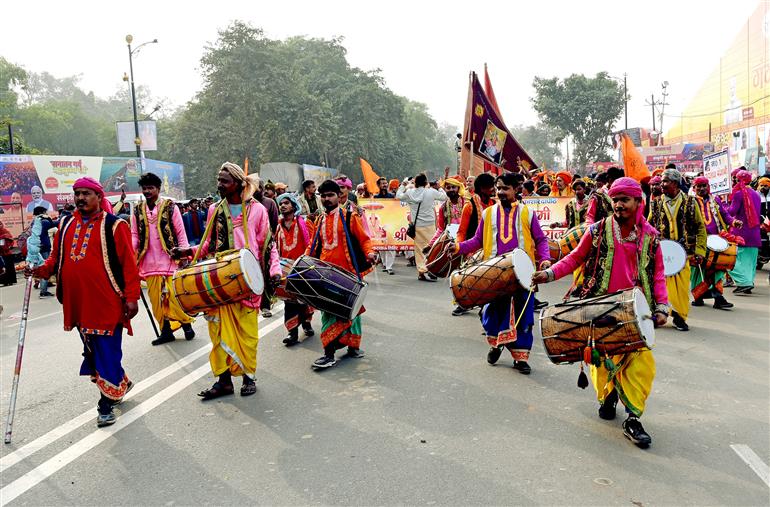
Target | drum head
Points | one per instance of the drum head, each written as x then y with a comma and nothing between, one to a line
252,273
716,243
360,301
674,257
523,267
644,317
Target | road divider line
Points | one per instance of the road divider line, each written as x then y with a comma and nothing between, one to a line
55,434
38,474
755,462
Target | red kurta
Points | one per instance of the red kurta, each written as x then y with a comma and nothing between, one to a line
291,243
89,301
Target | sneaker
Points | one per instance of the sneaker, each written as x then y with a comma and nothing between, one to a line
267,313
698,302
494,354
459,311
607,408
45,294
680,324
522,367
634,431
107,419
354,353
324,362
720,303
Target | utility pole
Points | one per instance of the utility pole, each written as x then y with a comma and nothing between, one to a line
663,105
10,137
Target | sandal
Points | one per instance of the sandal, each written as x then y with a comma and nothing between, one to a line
216,391
248,389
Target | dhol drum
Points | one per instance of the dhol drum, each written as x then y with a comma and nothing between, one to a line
326,287
720,253
571,239
481,283
227,278
674,257
613,324
438,262
554,250
280,291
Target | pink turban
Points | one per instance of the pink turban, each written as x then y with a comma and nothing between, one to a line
700,180
92,184
736,171
626,186
345,182
655,180
743,178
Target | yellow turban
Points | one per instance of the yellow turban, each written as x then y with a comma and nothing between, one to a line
457,183
764,180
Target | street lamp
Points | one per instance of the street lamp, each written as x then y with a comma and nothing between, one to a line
129,40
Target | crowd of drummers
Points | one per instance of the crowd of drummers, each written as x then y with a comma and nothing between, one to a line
639,254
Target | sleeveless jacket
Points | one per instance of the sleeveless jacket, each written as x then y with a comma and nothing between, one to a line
165,226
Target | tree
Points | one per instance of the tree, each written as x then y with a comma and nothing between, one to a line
540,142
581,107
12,79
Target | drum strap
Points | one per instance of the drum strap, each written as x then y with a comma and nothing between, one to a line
223,207
346,228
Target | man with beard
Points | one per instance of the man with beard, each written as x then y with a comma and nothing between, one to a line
502,228
97,283
293,239
677,217
717,220
618,253
382,185
340,239
265,304
157,228
310,201
236,222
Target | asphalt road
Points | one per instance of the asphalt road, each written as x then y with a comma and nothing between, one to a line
421,420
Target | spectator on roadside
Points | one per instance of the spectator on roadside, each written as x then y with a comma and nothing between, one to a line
421,200
39,243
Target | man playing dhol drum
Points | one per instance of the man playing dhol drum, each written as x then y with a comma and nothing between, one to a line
156,228
619,253
717,220
236,222
677,217
340,239
293,239
508,320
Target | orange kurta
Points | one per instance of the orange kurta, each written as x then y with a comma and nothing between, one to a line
334,247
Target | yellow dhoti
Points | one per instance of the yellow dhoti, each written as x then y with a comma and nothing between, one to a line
234,332
165,307
631,377
678,287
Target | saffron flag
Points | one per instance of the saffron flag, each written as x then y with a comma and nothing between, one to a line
370,177
486,139
633,163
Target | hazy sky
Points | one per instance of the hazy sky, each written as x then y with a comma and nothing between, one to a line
425,49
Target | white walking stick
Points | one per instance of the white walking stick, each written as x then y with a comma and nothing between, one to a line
19,354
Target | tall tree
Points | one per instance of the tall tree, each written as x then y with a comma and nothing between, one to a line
540,141
13,78
582,107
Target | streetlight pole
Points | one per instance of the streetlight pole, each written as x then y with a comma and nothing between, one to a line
137,139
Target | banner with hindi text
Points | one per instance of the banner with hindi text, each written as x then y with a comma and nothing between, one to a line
550,211
388,220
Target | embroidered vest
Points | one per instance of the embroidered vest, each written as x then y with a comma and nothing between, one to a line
165,226
603,206
523,230
575,216
710,210
110,257
686,224
598,264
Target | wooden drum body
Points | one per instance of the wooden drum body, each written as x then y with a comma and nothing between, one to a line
613,324
481,283
227,278
438,262
571,239
326,287
720,253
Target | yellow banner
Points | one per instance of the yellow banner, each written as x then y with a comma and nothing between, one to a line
387,220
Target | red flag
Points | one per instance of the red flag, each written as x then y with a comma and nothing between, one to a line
491,93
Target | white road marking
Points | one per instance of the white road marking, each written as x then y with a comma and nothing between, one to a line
35,476
755,462
55,434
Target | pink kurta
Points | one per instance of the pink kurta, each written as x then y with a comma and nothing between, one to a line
624,267
259,226
155,260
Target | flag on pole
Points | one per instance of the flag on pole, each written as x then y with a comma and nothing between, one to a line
246,166
370,177
491,93
633,163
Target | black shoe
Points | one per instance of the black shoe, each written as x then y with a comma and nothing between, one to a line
164,338
189,332
308,329
607,408
680,324
522,367
720,303
421,277
324,362
45,294
412,262
291,340
354,353
494,354
698,302
390,271
634,431
539,305
459,311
